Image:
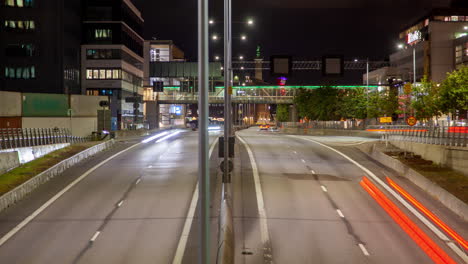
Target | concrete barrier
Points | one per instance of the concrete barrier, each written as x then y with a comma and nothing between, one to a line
26,154
225,247
8,161
450,156
447,199
24,189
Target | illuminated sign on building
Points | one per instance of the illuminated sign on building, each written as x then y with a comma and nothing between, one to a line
413,37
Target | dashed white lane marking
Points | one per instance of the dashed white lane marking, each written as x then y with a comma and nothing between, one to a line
312,171
57,196
295,152
150,166
340,213
120,204
324,188
95,236
363,249
179,255
303,161
138,181
260,203
424,220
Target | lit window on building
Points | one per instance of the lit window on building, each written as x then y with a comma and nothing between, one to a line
103,54
103,33
19,3
458,54
20,25
28,72
103,74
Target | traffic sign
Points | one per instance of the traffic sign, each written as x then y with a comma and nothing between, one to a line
230,166
386,119
411,121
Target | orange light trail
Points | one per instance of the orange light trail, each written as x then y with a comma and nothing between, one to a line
429,214
421,238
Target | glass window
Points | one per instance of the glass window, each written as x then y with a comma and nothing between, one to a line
20,24
12,72
102,74
10,2
116,74
108,74
89,74
19,3
28,3
95,74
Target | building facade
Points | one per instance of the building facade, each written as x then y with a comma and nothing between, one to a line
161,51
112,57
429,45
461,50
40,47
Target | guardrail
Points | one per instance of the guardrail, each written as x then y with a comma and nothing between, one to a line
347,125
28,137
437,135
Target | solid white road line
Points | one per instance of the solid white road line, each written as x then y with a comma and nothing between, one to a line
426,222
95,236
57,196
179,255
340,213
138,181
363,249
258,190
312,171
120,204
324,188
303,161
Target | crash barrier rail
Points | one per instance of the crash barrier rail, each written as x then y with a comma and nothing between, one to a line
27,137
348,125
436,135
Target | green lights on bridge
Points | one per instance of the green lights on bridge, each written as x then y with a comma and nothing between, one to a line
287,87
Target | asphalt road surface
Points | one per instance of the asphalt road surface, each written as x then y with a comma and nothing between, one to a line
305,205
315,209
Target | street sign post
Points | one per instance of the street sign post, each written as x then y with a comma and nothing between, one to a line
411,121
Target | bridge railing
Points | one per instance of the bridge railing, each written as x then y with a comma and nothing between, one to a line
238,98
11,138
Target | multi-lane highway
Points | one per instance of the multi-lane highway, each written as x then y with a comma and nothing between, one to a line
294,201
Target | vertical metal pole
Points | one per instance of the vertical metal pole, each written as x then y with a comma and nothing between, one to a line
414,64
227,84
367,87
203,158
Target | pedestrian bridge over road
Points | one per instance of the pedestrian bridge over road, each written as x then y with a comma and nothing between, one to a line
243,94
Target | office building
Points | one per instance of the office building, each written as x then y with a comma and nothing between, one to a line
40,46
430,45
112,57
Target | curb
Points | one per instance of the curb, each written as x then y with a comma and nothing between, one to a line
447,199
24,189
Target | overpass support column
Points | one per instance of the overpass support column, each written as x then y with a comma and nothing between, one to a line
293,113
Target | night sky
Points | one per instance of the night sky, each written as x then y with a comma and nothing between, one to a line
301,28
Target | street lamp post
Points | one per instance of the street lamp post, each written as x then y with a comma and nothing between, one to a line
227,84
203,157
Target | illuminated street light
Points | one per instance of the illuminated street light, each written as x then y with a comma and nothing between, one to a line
400,46
250,22
216,57
355,60
241,57
465,27
215,37
243,37
242,67
222,68
211,22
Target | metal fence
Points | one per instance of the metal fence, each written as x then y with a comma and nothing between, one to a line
438,135
347,125
28,137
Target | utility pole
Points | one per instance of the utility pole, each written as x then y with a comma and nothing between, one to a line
203,157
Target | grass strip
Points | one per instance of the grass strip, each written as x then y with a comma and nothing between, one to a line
452,181
21,174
